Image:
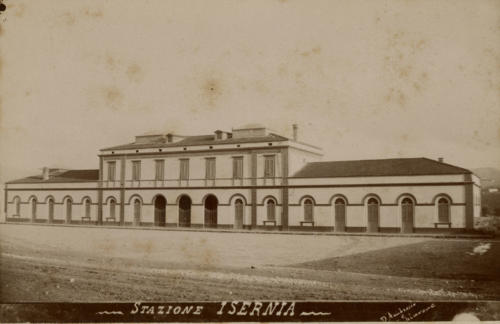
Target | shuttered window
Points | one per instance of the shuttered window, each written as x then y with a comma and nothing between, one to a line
111,171
159,169
238,168
269,163
136,170
184,169
210,168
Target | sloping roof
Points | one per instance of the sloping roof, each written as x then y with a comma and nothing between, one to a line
382,167
199,140
64,176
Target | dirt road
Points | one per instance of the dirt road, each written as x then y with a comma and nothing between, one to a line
42,263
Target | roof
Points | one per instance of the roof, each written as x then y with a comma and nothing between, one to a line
199,140
382,167
63,176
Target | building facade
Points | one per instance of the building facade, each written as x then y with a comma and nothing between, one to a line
249,178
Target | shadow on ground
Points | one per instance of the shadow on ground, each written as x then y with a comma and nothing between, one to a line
443,259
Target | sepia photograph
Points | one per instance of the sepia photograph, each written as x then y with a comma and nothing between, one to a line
256,161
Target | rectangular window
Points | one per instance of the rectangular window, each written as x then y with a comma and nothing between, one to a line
111,171
136,170
210,168
238,168
159,169
269,166
184,169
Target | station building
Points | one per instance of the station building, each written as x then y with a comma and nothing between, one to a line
249,178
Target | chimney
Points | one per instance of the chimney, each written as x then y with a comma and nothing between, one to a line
295,132
169,138
45,173
441,159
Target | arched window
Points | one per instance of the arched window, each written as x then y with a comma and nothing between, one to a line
340,215
137,212
51,210
69,210
373,215
18,206
308,210
33,209
271,210
443,210
112,208
87,208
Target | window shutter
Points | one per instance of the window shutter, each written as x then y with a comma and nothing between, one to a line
237,168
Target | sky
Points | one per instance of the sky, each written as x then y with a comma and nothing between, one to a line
362,79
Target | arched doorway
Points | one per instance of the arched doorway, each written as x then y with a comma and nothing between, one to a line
211,211
51,210
443,210
308,210
373,215
185,211
407,215
238,214
137,212
160,214
339,215
33,209
69,210
18,206
271,210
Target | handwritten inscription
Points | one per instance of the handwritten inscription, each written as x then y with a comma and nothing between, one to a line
407,313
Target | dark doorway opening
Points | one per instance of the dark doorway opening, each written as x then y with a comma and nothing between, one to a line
373,215
185,211
211,204
160,211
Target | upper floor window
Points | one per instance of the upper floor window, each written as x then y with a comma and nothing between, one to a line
136,170
159,169
210,168
184,169
112,171
269,162
238,167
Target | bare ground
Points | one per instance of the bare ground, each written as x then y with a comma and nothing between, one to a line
42,263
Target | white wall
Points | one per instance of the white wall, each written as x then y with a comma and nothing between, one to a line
59,206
